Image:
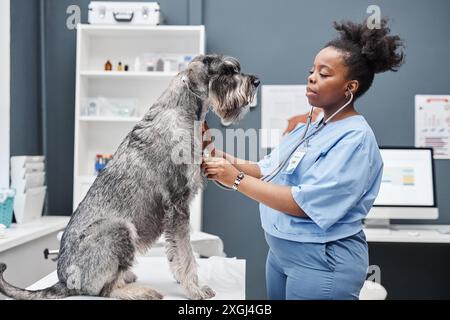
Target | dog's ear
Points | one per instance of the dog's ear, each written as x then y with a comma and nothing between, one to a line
227,66
210,62
233,63
197,77
207,59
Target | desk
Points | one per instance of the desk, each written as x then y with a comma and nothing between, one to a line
225,275
409,233
19,234
413,260
26,242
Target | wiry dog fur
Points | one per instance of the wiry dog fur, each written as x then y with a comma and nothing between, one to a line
142,193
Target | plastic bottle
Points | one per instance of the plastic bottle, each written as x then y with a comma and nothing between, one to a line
137,64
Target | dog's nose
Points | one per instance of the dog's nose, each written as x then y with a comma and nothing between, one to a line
256,82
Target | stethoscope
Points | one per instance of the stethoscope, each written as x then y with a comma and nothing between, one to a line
269,177
305,137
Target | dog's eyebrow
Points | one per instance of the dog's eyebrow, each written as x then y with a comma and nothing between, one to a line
234,63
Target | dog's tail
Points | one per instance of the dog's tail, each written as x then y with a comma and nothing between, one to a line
57,291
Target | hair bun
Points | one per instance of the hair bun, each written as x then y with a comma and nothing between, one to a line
382,51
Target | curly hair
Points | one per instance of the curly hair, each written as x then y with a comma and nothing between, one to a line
367,51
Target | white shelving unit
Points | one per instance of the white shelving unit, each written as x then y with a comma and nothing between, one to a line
100,134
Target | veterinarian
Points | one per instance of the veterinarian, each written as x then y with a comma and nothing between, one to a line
312,210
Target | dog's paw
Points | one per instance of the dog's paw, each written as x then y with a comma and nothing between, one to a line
198,293
129,276
144,293
152,295
135,292
208,292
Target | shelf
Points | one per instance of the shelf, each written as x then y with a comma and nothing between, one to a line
127,75
19,234
87,179
117,30
109,119
97,44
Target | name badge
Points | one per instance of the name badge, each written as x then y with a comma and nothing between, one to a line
295,160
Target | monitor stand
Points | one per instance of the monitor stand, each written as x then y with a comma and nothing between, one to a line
378,225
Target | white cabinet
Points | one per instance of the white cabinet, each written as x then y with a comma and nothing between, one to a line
101,133
22,249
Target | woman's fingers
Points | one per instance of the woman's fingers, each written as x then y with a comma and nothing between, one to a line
212,171
211,159
212,177
212,164
212,167
205,126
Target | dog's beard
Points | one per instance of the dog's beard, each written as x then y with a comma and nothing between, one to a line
233,111
235,105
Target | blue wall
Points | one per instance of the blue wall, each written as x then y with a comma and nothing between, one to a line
278,41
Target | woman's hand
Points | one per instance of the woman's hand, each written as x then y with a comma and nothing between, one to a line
219,169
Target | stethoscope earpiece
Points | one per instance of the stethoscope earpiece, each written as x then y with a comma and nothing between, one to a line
348,92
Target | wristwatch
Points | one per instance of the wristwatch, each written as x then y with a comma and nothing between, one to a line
238,180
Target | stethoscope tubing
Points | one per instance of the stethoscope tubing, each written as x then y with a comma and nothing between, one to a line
269,177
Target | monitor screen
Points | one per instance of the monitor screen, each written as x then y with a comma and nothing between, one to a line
408,178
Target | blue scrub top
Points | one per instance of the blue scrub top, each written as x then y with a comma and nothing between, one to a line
335,183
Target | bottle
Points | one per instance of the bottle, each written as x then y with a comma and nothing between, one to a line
137,64
120,67
160,65
98,163
108,66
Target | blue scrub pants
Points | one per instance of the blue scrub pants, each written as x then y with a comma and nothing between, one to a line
319,271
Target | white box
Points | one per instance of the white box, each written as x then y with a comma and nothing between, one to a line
21,165
136,13
20,161
27,178
110,107
31,180
28,205
20,172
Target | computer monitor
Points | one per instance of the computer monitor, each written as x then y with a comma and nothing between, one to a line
407,188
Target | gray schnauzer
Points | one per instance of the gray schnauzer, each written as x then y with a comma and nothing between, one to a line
143,193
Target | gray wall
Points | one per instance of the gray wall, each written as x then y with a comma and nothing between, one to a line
278,41
25,136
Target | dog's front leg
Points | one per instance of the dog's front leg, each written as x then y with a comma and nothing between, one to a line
181,257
